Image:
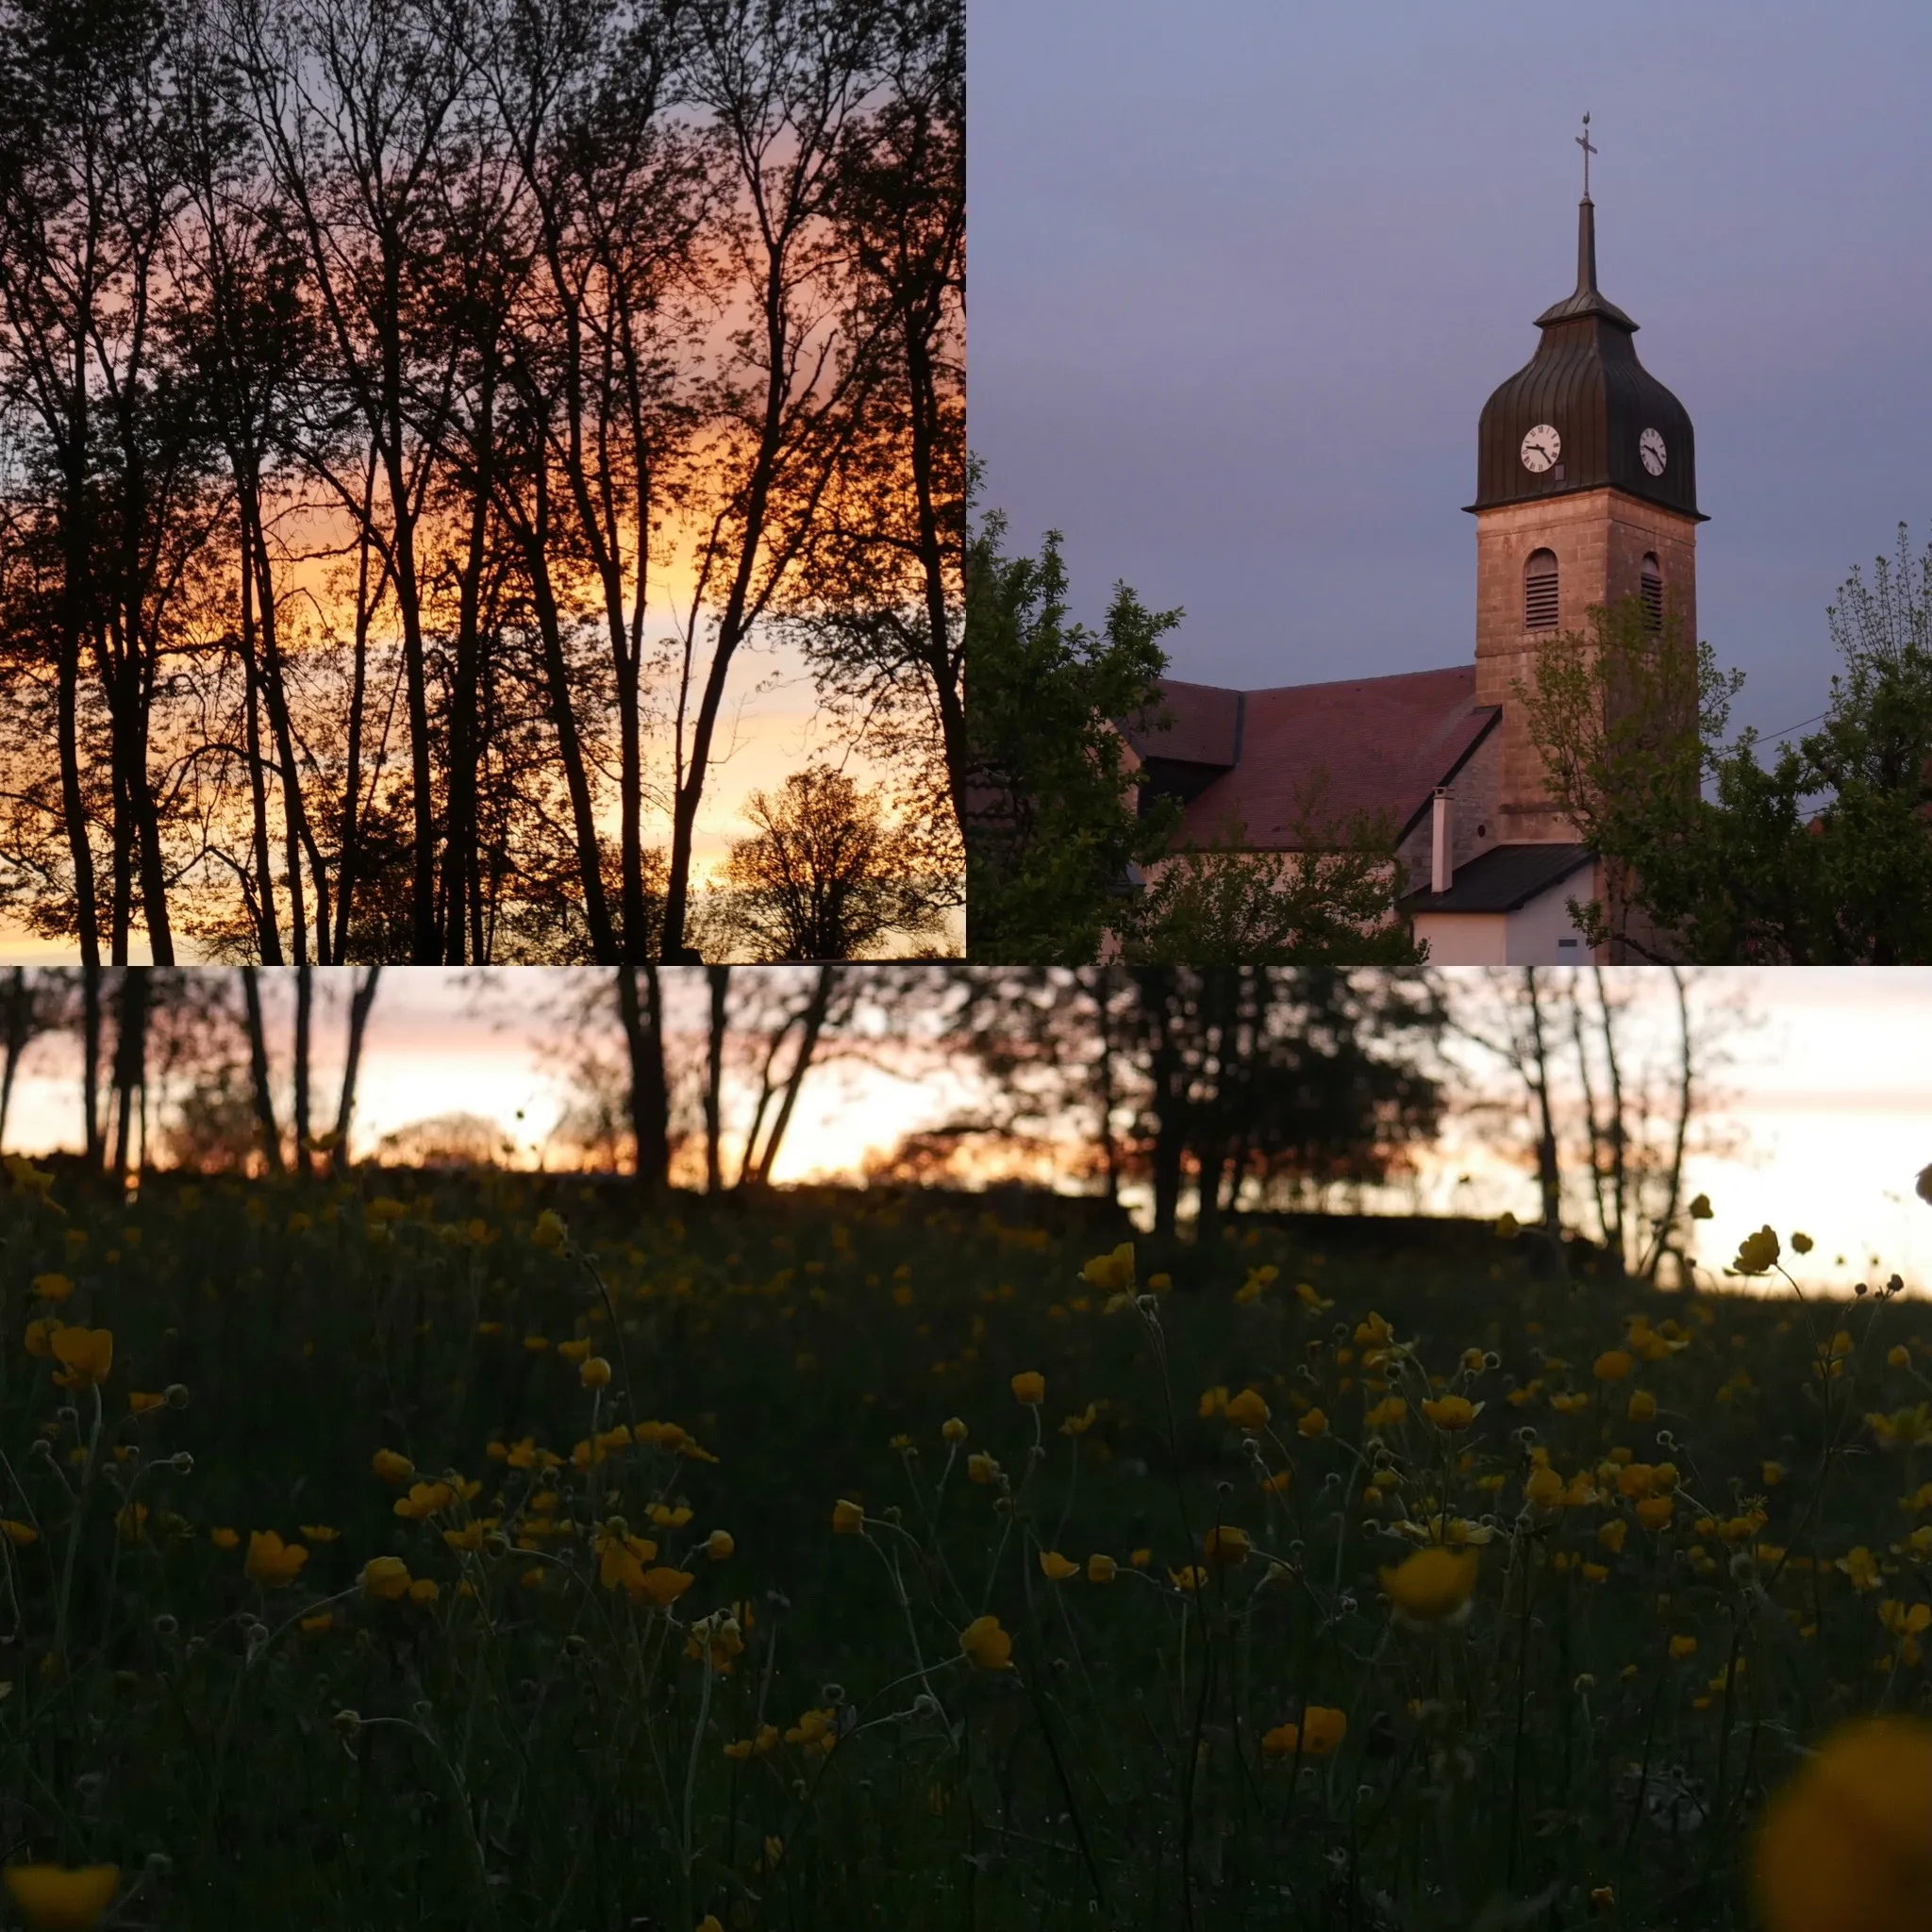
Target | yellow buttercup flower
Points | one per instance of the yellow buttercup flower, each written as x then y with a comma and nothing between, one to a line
1642,1406
390,1467
425,1499
1029,1387
1247,1410
1654,1511
1452,1411
1757,1253
550,1231
1611,1534
1313,1424
621,1558
953,1430
1225,1544
1432,1586
848,1519
270,1561
1683,1646
87,1355
53,1288
224,1538
661,1586
1860,1566
982,1468
425,1589
57,1898
1320,1731
1112,1273
1845,1847
1542,1487
986,1646
36,1181
385,1577
140,1402
596,1373
1057,1567
1101,1569
1614,1365
720,1545
18,1532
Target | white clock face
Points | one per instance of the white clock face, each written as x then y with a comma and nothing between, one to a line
1541,448
1650,446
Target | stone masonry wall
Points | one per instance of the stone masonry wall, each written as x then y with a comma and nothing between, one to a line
1600,538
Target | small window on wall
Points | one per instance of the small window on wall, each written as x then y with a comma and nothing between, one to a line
1653,592
1539,590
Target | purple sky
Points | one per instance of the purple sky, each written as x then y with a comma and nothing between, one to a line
1243,275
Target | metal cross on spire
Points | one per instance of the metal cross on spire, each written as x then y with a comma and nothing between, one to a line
1583,141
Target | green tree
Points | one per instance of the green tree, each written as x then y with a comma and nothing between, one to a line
1054,818
1333,898
1821,856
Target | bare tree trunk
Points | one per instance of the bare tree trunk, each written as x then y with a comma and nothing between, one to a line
297,835
812,1027
1598,1134
1164,1069
1686,1099
130,1060
91,1055
305,1002
720,979
359,1004
268,927
569,740
1548,1176
1105,1094
352,782
650,1098
257,1070
19,1010
1620,1124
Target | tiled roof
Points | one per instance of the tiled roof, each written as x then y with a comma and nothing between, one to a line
1202,728
1385,744
1504,880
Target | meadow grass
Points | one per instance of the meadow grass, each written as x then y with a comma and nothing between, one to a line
1689,1532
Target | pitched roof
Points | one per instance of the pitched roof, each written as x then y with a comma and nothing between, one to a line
1504,880
1385,744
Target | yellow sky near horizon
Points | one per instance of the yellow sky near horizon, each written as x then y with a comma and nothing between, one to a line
1825,1102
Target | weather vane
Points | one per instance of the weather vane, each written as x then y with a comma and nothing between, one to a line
1583,141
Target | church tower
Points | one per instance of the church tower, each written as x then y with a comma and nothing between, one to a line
1585,492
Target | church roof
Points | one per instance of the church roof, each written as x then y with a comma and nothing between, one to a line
1384,745
1584,382
1503,879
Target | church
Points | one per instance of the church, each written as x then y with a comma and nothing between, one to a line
1585,493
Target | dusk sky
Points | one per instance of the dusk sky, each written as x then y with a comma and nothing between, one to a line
1243,276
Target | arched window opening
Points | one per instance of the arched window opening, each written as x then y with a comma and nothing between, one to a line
1539,590
1653,592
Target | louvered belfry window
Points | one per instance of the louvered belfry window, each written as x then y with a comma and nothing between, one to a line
1539,590
1652,594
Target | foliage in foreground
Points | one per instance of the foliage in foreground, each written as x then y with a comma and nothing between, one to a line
1820,856
493,1557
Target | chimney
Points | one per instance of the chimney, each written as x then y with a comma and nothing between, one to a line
1441,865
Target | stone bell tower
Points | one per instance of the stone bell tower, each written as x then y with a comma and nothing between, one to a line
1585,492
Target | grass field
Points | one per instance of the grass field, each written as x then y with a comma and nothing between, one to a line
638,1548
